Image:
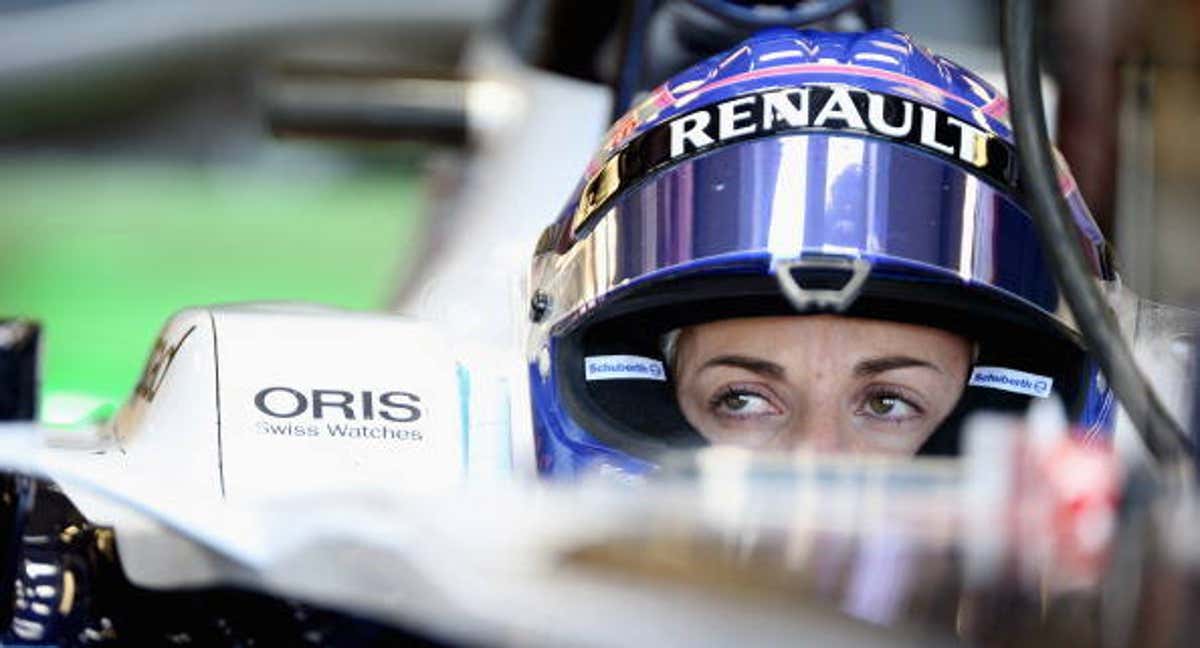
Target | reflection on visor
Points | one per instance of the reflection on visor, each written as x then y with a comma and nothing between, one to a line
827,194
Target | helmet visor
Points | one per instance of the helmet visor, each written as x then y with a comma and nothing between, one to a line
790,196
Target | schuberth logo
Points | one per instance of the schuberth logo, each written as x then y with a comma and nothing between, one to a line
810,108
623,367
1012,380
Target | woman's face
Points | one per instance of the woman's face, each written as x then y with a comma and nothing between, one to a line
824,382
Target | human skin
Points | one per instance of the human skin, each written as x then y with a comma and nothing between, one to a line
826,383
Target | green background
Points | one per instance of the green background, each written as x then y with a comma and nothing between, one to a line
103,252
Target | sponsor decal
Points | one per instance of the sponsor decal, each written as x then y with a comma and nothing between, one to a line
1011,380
621,132
338,413
339,430
161,357
623,367
808,108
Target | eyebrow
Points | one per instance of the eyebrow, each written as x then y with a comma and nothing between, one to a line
873,366
868,367
755,365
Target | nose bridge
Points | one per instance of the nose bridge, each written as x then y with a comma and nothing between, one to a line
818,383
819,426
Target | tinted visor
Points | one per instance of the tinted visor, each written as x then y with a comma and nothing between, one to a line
789,196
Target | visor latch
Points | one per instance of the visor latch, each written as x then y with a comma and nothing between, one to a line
821,270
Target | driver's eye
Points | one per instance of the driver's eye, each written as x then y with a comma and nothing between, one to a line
742,403
890,407
737,402
882,405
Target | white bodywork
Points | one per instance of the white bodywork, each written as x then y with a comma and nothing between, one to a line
260,403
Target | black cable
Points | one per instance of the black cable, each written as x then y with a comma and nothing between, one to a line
1052,217
634,19
761,15
876,14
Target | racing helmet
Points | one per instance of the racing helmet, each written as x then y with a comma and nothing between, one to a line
800,172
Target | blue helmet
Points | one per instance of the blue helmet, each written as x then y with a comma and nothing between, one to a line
799,172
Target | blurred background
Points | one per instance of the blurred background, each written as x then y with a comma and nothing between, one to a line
403,155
